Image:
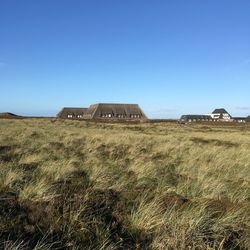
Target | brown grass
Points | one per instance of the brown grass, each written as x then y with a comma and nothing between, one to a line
80,185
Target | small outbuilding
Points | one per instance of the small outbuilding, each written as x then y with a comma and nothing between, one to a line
240,119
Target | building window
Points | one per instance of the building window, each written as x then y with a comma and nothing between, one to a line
106,115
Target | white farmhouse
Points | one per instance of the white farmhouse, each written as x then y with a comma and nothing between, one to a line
221,115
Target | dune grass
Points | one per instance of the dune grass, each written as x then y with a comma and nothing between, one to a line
80,185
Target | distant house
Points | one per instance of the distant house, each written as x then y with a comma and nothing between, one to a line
72,113
218,115
195,118
104,111
221,114
114,111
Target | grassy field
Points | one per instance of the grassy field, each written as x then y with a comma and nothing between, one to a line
79,185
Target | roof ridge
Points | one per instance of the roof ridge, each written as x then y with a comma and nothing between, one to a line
96,108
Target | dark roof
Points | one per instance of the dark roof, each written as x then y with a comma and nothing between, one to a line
239,118
95,111
220,111
186,117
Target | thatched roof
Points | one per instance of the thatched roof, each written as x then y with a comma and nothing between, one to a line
115,111
70,112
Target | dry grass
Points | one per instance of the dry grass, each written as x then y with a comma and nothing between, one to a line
80,185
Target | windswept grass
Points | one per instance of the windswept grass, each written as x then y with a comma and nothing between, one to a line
80,185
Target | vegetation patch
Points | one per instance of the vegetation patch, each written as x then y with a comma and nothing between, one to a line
215,142
78,185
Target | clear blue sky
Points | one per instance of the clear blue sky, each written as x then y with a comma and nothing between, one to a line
171,56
